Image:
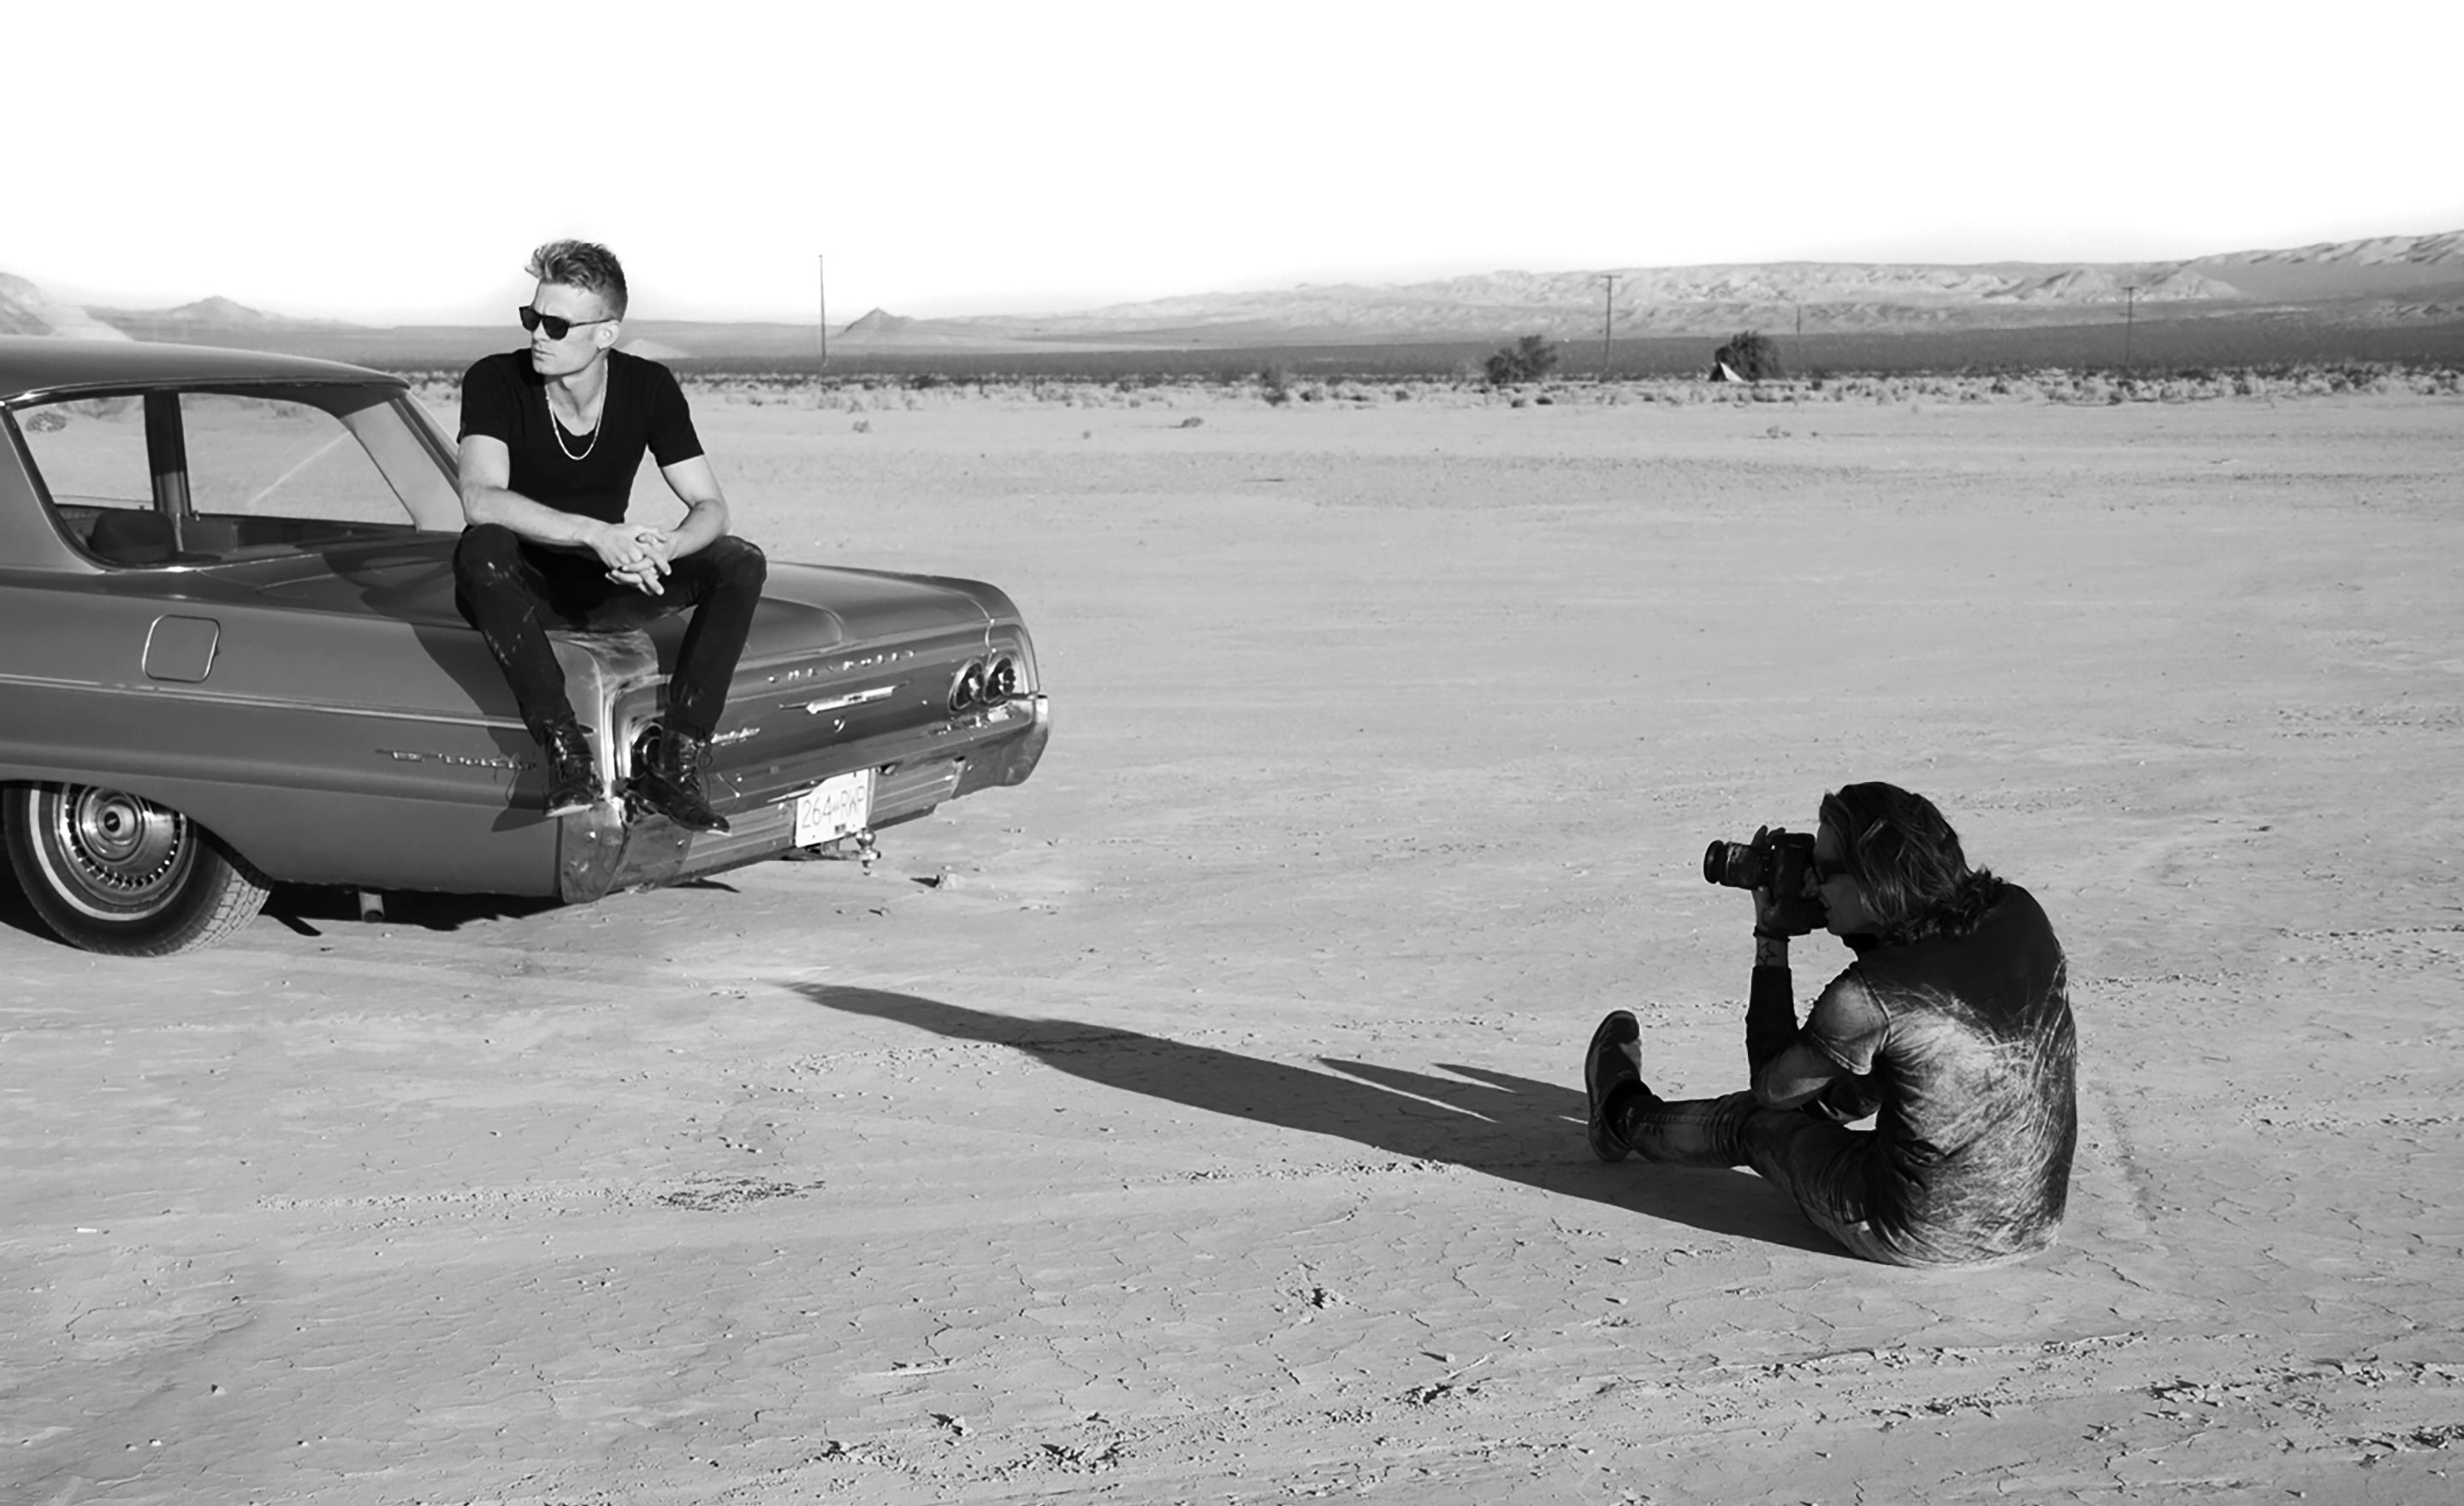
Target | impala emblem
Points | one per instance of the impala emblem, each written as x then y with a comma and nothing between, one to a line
455,759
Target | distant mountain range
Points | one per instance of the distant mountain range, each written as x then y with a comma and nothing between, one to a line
26,309
2387,280
205,317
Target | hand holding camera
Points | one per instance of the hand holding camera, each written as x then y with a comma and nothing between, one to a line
1778,867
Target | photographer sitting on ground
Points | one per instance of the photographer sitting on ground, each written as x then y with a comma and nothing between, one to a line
1953,1023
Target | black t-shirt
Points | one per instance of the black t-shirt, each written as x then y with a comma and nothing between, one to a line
503,398
1971,1044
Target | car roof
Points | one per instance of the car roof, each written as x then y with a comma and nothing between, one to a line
52,363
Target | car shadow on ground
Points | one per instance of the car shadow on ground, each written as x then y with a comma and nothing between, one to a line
313,910
16,914
1512,1128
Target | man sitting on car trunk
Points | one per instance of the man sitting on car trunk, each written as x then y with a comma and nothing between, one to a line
551,438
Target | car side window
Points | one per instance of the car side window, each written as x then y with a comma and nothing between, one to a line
91,453
170,477
252,456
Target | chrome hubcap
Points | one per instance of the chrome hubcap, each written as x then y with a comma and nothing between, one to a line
124,855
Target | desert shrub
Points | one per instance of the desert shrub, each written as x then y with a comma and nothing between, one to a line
1526,360
1275,383
1751,355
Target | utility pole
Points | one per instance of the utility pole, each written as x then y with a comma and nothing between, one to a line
821,272
1607,320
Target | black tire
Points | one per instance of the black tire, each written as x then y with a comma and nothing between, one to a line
114,874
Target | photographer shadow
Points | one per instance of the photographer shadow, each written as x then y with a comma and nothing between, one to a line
1512,1128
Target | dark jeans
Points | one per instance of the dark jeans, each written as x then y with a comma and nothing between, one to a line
1819,1164
514,591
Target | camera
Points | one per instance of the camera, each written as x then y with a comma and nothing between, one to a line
1775,861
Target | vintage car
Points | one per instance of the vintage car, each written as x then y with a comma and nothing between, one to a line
233,659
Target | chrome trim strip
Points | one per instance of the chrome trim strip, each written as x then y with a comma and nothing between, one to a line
265,702
133,386
871,654
814,708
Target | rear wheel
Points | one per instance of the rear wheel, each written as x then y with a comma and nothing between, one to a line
113,873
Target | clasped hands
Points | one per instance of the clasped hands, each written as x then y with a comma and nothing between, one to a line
636,555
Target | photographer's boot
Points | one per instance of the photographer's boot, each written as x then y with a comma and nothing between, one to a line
572,773
1612,1081
673,784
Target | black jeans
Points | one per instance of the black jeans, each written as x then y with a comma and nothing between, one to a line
513,591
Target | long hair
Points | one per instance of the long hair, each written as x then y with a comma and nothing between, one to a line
1906,864
582,264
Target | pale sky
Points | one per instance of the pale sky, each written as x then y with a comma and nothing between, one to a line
396,163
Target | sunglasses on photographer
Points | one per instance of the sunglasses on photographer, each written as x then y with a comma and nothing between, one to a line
558,327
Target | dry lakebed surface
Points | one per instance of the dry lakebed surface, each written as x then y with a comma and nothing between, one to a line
1201,1120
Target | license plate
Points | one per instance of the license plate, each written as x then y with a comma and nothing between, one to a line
841,805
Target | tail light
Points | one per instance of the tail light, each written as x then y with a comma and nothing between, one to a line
1001,681
968,689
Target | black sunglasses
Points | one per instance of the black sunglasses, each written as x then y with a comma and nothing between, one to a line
558,325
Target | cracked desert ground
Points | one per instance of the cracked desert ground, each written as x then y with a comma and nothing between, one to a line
1201,1120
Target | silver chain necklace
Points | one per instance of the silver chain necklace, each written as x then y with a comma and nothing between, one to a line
557,429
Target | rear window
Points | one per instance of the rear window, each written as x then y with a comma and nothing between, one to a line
273,457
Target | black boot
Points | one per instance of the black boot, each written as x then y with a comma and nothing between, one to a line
672,785
572,773
1613,1082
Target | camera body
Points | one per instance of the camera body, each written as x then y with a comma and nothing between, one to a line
1776,861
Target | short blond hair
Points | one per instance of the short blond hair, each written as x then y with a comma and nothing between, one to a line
582,264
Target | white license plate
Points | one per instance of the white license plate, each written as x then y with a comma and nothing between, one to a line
841,805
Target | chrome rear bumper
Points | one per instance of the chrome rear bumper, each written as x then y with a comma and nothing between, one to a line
599,853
